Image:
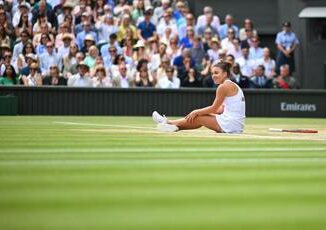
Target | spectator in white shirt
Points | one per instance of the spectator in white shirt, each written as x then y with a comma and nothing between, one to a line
123,77
213,52
202,19
166,22
227,43
101,79
106,28
63,50
255,52
170,81
48,58
247,65
268,63
82,78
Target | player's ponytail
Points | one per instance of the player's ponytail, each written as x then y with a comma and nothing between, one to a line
225,66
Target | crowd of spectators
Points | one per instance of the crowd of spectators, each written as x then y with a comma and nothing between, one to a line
134,43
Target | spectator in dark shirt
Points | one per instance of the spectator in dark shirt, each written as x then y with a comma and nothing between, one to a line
238,78
54,77
146,29
259,80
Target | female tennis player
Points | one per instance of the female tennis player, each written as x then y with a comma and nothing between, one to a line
226,114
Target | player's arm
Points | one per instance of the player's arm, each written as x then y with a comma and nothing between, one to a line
214,108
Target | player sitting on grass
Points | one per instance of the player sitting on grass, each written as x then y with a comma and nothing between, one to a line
226,114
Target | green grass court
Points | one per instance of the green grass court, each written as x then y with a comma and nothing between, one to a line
111,173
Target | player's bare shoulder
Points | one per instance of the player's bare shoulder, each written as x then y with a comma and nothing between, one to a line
229,88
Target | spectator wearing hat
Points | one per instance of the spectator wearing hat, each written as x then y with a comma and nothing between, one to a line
126,25
146,29
63,50
238,78
123,77
140,51
34,78
88,42
49,58
223,30
15,6
63,31
70,59
9,77
54,77
106,27
86,31
82,78
213,52
286,42
101,78
23,8
24,24
62,9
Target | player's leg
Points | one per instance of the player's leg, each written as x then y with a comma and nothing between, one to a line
208,121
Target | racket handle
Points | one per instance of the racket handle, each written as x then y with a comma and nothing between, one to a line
275,130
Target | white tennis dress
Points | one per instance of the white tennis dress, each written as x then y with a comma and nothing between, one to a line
232,120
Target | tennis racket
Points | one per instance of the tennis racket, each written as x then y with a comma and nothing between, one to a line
293,130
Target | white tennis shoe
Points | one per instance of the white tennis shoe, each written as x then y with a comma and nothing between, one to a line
158,118
164,127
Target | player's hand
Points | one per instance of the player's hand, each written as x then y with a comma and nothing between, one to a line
191,116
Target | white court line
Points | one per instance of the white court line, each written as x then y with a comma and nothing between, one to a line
164,161
195,134
102,125
159,150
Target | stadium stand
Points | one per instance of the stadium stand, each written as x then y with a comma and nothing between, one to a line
139,43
